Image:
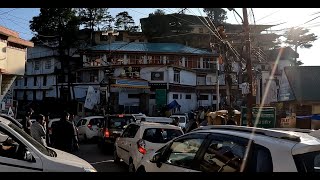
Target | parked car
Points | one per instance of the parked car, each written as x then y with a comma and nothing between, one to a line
111,128
140,138
236,149
183,120
89,127
19,152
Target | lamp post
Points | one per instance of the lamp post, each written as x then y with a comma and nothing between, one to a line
108,72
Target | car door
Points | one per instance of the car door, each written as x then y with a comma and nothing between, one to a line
13,155
124,142
181,154
225,153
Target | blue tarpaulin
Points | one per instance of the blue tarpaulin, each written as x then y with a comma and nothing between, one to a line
314,116
173,104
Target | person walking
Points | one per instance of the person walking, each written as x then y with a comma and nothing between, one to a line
37,130
26,123
64,134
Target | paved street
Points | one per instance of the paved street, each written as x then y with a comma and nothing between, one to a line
103,162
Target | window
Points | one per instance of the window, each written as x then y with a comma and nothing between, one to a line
188,96
79,123
116,122
175,96
183,152
130,131
96,122
16,82
180,96
48,64
44,80
204,97
308,162
223,155
43,94
36,65
84,121
206,63
176,77
261,161
25,81
93,77
35,81
157,135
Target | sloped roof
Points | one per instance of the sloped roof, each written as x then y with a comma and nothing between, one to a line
150,47
305,82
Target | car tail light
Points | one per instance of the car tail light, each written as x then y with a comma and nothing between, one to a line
90,126
106,133
142,146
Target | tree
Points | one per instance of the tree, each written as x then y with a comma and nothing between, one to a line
57,26
94,17
216,15
299,37
125,22
157,12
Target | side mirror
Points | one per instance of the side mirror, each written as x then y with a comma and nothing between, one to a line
28,156
157,159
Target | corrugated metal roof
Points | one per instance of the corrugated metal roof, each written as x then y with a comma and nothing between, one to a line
150,47
305,82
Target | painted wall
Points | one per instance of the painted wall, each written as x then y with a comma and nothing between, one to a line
186,104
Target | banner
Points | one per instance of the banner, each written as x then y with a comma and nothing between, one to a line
92,98
267,117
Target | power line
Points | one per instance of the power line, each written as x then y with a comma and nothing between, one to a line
8,11
254,19
268,15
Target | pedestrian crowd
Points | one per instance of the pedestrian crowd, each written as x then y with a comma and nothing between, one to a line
64,133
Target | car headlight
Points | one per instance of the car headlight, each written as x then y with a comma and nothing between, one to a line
90,170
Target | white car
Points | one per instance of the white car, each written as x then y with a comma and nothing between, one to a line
89,127
139,138
19,152
236,149
183,120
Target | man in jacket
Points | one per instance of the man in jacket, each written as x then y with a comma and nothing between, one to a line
64,134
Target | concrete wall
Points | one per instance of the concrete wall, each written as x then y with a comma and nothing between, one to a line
186,104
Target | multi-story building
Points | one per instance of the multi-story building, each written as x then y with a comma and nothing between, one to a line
13,51
142,70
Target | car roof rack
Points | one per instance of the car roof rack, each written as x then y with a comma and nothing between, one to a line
261,131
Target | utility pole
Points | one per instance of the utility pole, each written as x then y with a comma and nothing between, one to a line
249,66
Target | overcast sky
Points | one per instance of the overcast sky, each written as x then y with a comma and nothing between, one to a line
18,19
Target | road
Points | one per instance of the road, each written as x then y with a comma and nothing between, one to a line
103,162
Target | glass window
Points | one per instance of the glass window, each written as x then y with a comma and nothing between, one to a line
48,64
308,162
84,121
183,152
188,96
175,96
222,156
96,121
36,65
176,77
79,123
119,122
160,135
130,131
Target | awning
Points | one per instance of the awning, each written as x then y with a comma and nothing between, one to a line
173,104
128,86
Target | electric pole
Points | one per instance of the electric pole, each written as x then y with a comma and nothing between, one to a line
249,66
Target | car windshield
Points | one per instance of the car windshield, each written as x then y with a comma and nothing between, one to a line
28,138
119,122
160,135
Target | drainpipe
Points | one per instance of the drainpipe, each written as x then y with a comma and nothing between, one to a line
168,79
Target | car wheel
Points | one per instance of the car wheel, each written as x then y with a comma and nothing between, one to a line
131,167
116,158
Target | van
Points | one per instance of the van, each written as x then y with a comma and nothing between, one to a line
19,152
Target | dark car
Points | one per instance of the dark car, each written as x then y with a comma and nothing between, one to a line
112,127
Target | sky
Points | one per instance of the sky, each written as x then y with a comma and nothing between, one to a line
18,19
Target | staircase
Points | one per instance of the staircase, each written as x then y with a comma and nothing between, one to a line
6,82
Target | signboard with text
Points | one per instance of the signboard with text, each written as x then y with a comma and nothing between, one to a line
267,118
